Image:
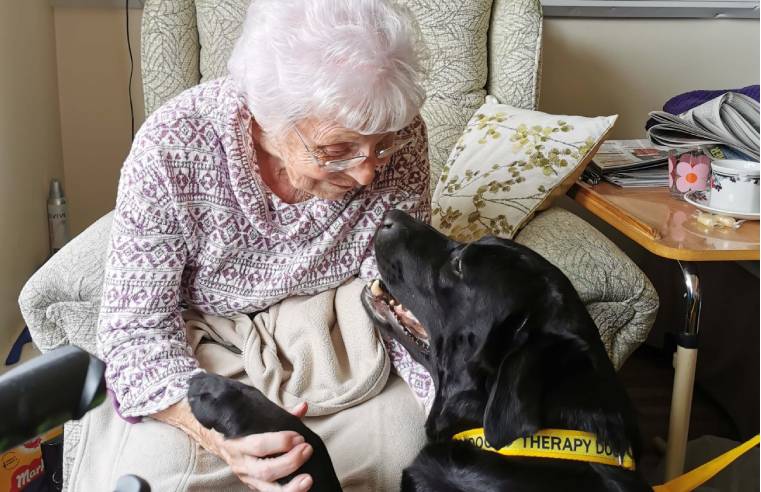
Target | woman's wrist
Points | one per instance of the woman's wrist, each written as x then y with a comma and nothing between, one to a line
181,416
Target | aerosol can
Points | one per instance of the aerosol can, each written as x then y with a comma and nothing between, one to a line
58,223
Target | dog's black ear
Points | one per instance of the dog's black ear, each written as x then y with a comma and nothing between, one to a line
501,339
515,401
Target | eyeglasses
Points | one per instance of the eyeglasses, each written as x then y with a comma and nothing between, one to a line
383,152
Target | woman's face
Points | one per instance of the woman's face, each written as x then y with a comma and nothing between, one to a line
326,141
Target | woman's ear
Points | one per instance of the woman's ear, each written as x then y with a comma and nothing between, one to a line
514,408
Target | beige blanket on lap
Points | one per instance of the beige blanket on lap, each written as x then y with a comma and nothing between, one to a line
322,349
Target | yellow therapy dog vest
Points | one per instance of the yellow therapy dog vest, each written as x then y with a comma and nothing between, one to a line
553,443
584,446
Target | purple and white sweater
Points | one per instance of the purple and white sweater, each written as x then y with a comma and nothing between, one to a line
196,227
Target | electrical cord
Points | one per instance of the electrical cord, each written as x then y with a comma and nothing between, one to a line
131,66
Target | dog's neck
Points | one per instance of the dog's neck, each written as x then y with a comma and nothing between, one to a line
455,412
576,366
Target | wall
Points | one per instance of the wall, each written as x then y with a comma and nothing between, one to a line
93,74
632,66
591,66
30,149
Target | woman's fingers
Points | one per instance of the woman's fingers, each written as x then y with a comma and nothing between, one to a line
268,443
271,469
300,483
300,410
249,459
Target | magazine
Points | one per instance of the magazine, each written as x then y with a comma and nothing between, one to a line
627,155
731,120
629,163
651,173
645,178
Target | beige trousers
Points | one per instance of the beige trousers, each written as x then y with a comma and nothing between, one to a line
370,444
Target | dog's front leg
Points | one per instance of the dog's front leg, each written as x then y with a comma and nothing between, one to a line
236,410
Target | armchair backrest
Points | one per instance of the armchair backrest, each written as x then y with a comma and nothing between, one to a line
476,47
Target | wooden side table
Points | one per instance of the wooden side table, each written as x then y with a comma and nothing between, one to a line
667,228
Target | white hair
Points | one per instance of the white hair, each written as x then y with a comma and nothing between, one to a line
356,62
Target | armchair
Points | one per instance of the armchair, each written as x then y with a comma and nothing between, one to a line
493,46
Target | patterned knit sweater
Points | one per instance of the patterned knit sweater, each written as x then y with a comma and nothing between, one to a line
195,226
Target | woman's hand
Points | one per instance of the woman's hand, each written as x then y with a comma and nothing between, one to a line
249,456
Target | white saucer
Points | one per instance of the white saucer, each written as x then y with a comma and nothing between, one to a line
700,200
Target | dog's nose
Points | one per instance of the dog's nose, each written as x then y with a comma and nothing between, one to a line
393,219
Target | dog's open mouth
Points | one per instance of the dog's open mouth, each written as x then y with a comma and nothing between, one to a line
387,307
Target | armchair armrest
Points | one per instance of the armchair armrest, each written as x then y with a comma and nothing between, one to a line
617,294
60,302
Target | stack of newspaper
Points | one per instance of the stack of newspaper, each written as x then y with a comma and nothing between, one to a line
730,120
629,164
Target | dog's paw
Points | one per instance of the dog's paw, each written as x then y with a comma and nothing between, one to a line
213,399
233,408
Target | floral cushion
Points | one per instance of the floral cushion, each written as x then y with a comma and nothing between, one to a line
508,164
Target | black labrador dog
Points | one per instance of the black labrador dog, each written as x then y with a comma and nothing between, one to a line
511,349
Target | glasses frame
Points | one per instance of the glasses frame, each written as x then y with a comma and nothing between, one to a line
338,165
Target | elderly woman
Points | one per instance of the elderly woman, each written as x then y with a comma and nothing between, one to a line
297,154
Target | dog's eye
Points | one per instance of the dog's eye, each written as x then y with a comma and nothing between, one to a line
457,265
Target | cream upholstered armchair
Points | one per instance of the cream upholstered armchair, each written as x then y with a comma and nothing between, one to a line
476,47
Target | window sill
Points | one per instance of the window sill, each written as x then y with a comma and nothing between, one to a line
651,9
718,9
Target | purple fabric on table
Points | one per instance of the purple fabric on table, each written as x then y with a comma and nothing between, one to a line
684,102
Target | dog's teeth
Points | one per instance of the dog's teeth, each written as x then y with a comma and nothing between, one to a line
375,288
392,302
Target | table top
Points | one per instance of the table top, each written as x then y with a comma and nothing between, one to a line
664,225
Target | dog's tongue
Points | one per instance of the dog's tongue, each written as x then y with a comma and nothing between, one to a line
405,315
410,321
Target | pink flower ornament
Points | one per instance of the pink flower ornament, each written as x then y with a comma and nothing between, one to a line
692,176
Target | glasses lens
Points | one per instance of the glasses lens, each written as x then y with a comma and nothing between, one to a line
386,148
385,151
343,164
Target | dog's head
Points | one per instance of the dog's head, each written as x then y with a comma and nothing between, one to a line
503,333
